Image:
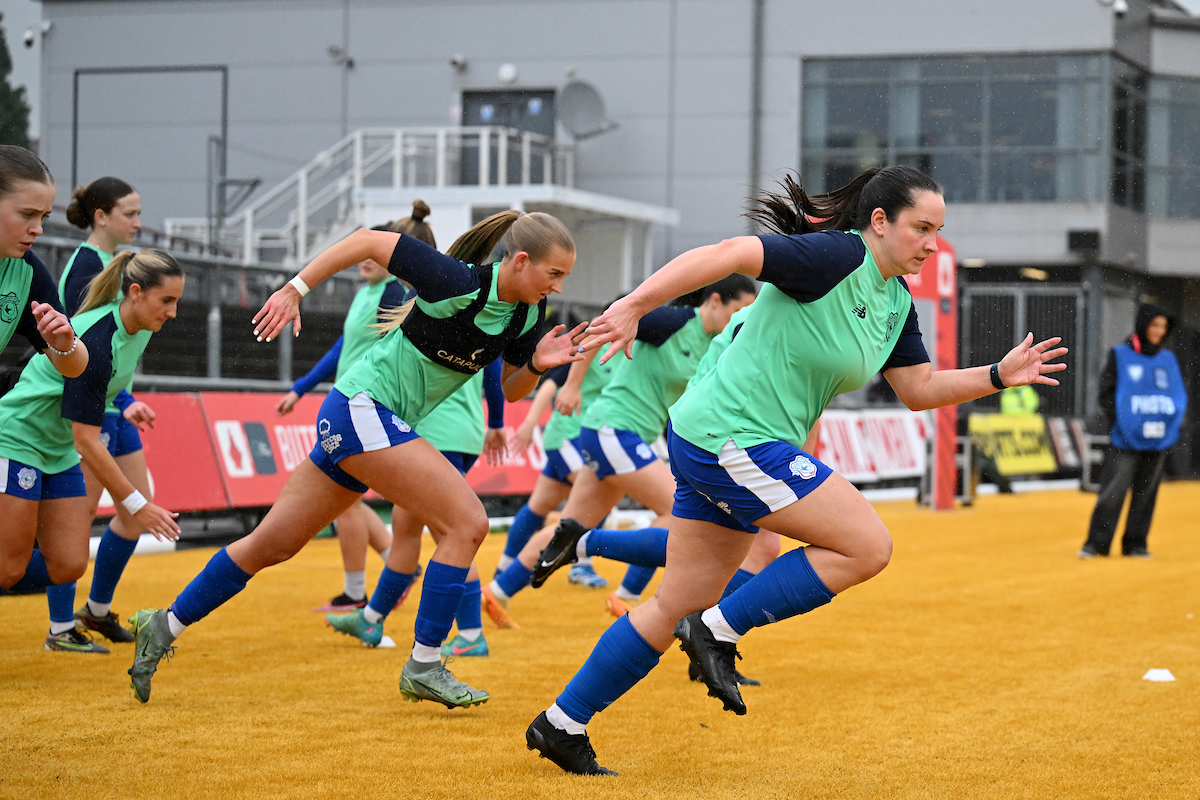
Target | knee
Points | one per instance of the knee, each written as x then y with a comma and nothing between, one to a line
64,569
471,529
10,573
876,553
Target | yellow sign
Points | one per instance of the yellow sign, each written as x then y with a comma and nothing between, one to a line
1016,442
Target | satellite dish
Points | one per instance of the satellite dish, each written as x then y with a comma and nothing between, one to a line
581,110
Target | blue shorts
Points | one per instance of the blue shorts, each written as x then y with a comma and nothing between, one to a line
119,435
563,462
739,487
614,452
349,426
30,483
461,461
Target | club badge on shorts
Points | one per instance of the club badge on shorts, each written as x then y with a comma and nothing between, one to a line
803,467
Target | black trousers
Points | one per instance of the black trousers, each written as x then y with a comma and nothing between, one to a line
1124,470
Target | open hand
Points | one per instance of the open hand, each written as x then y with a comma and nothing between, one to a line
280,309
1027,362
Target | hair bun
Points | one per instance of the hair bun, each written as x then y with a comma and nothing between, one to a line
420,210
76,212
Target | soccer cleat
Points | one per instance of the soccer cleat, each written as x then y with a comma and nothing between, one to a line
356,625
341,604
572,752
560,551
152,641
694,675
497,610
73,641
458,646
434,682
1138,554
1087,551
584,575
617,606
714,661
108,626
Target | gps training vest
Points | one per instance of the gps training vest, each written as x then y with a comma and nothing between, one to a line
455,342
1150,398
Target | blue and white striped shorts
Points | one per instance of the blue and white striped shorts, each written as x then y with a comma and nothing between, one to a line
347,426
563,462
611,451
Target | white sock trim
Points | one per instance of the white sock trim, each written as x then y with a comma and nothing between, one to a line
61,627
581,556
426,654
559,719
355,584
625,594
175,625
498,593
470,634
371,615
716,623
98,609
503,563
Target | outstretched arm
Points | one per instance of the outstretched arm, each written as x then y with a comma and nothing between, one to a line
921,387
685,273
557,347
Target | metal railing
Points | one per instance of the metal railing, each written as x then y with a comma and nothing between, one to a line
319,203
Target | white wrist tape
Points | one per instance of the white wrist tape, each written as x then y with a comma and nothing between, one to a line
299,285
135,502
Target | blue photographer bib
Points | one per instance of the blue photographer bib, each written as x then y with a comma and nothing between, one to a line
1151,400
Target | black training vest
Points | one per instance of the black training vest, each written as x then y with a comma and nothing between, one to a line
456,342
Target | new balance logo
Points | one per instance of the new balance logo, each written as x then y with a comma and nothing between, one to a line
861,311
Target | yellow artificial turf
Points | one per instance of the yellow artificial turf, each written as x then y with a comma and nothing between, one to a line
985,661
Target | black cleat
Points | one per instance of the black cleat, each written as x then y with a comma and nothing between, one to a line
714,661
694,675
108,626
560,551
572,752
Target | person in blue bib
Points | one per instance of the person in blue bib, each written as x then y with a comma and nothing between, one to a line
617,429
1143,395
469,312
29,303
111,209
834,311
360,527
48,423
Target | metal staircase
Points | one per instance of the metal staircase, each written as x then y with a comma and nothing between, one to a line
322,202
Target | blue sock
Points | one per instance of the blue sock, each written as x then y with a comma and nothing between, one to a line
524,524
787,587
514,578
441,591
111,557
219,581
35,577
736,582
469,608
61,599
387,592
636,578
645,547
620,659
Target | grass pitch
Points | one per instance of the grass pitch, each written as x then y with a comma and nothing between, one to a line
985,661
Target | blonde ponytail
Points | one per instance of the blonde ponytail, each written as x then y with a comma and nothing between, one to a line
146,268
535,233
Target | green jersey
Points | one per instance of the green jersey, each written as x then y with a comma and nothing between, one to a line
359,332
36,416
561,428
826,322
455,311
671,342
85,263
23,280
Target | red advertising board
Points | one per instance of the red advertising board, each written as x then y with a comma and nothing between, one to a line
179,455
867,446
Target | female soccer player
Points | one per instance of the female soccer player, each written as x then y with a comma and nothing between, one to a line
464,318
360,526
835,312
456,429
630,413
29,304
111,208
47,423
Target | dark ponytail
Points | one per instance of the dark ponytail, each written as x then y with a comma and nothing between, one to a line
729,288
18,165
848,208
415,225
100,195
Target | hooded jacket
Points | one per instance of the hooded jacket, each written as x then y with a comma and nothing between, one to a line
1108,377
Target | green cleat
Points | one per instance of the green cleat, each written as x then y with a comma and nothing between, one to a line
458,646
419,681
152,641
356,625
75,641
